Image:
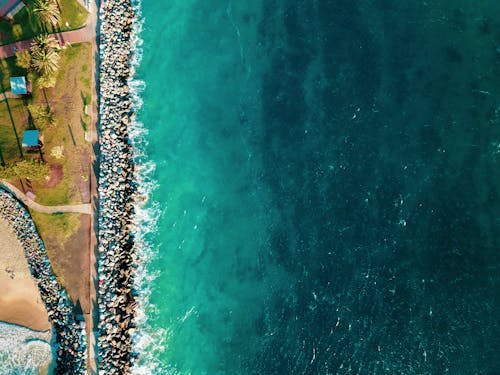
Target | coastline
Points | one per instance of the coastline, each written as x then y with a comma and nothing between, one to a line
20,301
24,349
70,337
117,189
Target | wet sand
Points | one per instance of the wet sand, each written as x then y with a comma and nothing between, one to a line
20,301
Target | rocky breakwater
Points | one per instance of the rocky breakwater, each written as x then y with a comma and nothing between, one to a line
70,334
117,189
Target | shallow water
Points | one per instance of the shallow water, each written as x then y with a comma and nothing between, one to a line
327,195
22,350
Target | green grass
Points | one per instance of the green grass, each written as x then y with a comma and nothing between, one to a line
26,24
58,226
67,100
54,196
72,12
8,68
8,143
56,229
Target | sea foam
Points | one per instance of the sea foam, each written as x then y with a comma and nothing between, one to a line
22,350
145,343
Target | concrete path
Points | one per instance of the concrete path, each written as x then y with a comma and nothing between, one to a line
85,34
85,208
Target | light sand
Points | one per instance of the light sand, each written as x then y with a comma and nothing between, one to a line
20,301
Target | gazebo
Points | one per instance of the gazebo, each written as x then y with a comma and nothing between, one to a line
18,86
31,139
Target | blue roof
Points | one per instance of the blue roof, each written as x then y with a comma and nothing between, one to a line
30,138
18,85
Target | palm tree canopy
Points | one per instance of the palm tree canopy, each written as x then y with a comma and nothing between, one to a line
47,81
44,54
45,41
48,11
45,61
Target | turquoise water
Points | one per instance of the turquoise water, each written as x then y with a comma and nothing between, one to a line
327,191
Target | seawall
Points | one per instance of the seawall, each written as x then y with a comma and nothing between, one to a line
116,189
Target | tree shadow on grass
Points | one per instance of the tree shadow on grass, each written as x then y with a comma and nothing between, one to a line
2,88
71,134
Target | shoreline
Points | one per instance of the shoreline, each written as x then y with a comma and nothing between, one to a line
27,347
20,301
70,337
117,189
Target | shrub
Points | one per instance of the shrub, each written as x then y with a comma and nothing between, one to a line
32,169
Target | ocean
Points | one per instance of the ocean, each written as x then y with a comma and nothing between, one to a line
24,351
323,187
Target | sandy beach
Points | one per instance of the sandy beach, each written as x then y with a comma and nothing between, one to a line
20,301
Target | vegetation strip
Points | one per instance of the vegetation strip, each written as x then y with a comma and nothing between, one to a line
117,188
85,208
70,334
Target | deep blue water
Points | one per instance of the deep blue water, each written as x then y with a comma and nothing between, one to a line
328,186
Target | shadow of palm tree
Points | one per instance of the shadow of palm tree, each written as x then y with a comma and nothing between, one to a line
2,161
31,121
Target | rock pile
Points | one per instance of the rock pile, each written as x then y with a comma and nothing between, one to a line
70,334
117,188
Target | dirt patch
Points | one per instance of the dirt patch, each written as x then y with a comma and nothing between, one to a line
56,175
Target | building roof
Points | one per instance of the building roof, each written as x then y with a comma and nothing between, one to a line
18,85
30,138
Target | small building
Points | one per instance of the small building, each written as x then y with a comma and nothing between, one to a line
18,86
31,139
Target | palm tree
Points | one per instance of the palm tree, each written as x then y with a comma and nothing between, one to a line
45,41
44,55
47,11
45,61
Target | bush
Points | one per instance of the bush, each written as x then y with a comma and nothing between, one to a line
32,169
42,115
23,59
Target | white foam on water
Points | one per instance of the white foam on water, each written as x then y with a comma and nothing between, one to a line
148,344
22,350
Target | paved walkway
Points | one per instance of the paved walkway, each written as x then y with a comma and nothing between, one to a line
85,208
85,34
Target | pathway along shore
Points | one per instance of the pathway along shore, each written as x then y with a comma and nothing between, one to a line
84,208
71,349
117,189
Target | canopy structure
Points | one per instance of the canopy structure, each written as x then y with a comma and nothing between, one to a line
18,85
30,138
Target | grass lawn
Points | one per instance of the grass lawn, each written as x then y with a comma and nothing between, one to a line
8,142
55,229
66,236
8,68
73,13
26,24
71,165
66,100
